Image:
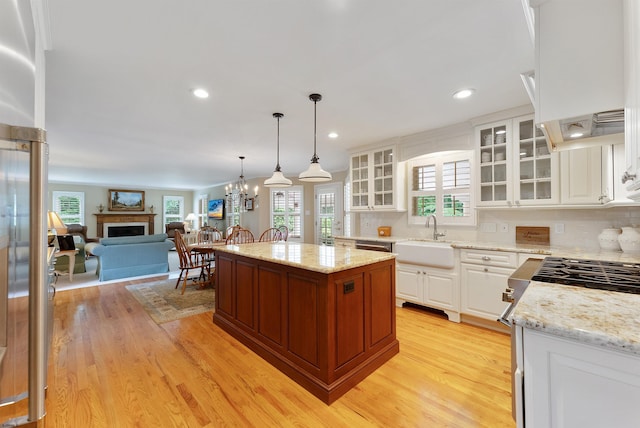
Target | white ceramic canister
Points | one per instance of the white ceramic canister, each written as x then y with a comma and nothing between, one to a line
608,239
629,240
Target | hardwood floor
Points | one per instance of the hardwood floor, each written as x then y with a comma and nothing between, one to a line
112,366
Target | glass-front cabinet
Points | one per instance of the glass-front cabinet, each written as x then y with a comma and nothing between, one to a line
494,141
516,167
376,181
536,175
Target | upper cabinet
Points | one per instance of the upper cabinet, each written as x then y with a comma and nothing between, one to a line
579,57
377,181
516,167
632,97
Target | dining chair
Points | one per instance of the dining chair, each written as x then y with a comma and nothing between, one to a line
272,234
209,236
191,261
284,232
240,236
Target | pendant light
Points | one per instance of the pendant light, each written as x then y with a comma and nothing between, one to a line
315,173
277,179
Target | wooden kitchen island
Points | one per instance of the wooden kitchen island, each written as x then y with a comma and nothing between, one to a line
324,316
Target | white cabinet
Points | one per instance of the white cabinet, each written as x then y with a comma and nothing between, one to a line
591,176
572,384
377,181
535,169
436,288
579,57
632,97
516,167
581,176
483,278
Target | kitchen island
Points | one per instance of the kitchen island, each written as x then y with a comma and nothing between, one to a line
577,357
324,316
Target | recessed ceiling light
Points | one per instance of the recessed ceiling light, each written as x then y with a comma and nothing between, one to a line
463,93
333,135
201,93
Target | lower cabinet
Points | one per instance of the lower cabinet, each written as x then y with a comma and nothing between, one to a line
484,276
432,287
572,384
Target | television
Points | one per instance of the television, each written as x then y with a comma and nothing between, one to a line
216,209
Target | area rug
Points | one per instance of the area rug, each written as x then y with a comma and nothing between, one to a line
163,302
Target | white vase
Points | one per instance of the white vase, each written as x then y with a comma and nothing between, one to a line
629,240
608,239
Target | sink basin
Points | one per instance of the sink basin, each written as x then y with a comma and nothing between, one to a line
428,253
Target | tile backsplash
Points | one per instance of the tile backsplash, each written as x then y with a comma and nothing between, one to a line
570,228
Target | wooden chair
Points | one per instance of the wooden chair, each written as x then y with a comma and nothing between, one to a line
190,261
284,232
209,236
272,234
240,236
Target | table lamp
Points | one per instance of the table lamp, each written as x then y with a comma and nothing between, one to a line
55,226
188,225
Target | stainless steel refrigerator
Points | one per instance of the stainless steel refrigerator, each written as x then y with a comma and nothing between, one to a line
26,295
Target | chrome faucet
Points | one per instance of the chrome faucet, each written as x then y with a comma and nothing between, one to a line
436,235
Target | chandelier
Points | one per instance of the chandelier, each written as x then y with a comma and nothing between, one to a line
237,193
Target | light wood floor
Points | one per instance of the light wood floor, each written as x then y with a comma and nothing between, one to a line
112,366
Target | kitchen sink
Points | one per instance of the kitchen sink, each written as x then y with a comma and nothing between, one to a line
429,253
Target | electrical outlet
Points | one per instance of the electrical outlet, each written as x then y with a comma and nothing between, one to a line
503,227
559,228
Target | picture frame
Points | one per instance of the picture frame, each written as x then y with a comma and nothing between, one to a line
126,200
215,209
249,204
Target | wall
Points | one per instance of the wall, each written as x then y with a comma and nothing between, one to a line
96,195
581,226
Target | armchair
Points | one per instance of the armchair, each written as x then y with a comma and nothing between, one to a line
172,227
76,229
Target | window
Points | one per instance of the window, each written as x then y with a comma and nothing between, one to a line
286,209
441,186
70,206
173,208
232,207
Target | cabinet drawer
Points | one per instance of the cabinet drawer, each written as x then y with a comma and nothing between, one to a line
489,258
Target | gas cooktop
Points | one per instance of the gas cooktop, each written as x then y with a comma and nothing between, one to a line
613,276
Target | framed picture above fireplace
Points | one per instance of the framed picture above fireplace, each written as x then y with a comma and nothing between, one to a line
126,200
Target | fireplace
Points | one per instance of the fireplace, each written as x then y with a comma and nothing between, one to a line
116,231
105,222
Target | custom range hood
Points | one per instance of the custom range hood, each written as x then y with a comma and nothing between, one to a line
595,129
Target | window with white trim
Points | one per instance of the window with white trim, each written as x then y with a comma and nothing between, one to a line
69,205
173,208
441,185
286,209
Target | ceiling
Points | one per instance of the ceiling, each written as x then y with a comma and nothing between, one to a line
119,76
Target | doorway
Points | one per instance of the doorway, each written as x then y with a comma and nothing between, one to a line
329,212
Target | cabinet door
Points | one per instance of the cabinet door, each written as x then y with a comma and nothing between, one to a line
581,176
570,384
493,154
632,97
383,176
535,177
440,291
360,182
481,288
410,283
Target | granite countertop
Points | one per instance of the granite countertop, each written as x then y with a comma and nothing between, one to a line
392,239
318,258
602,318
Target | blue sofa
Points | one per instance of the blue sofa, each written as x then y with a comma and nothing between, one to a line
128,256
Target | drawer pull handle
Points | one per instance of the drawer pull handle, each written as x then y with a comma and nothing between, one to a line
486,258
486,269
